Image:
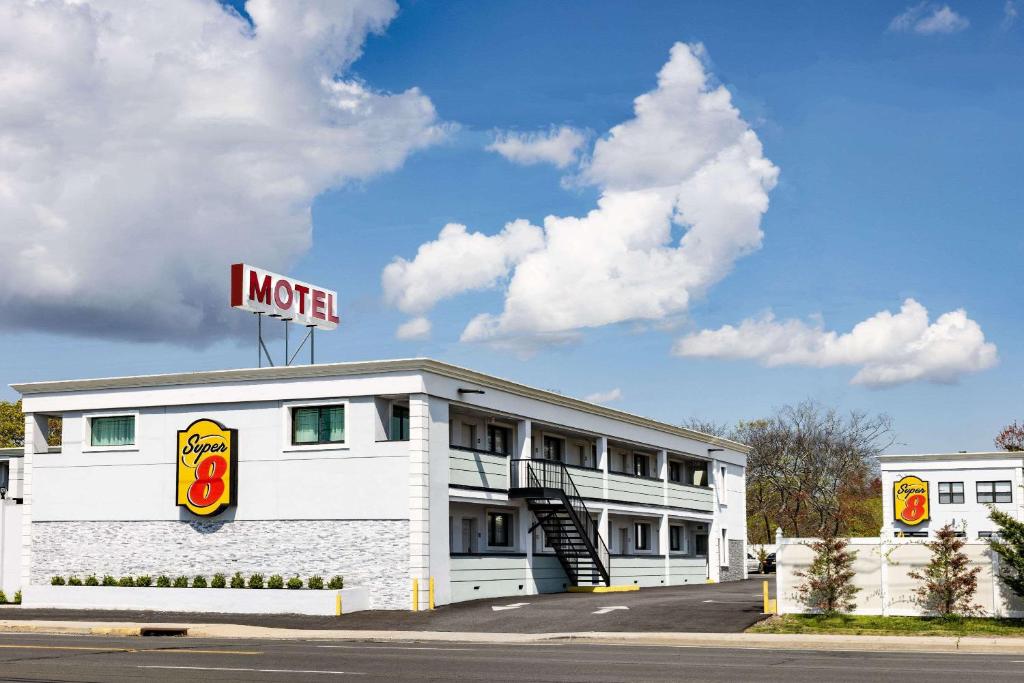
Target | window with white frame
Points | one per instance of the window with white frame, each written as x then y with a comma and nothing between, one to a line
499,529
951,492
995,492
111,431
318,425
642,534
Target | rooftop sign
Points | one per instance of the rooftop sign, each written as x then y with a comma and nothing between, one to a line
260,291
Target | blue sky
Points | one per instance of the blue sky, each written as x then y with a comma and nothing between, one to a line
899,155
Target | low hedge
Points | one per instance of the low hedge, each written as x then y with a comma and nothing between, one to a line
256,580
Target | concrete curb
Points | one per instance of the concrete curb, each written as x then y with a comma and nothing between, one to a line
768,641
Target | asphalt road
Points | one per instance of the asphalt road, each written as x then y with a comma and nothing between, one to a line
84,658
701,608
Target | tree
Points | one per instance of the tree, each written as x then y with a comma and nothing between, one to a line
1011,437
827,584
1009,545
948,581
12,426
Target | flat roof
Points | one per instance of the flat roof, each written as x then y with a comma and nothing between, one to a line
326,370
976,455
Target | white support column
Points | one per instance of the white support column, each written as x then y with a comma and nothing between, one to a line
602,464
663,546
780,585
662,462
36,432
524,439
419,496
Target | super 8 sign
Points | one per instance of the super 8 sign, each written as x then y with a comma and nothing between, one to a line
910,500
207,466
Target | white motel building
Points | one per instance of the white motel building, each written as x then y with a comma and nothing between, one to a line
959,488
384,472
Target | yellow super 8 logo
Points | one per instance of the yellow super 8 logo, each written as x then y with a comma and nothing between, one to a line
910,500
207,462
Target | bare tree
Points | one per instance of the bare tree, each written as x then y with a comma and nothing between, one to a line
711,427
1011,437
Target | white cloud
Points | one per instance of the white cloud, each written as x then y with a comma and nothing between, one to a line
558,146
890,348
414,330
929,19
604,396
148,145
1010,15
687,159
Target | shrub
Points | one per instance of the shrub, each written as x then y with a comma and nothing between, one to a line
17,597
275,581
218,581
109,580
181,582
238,581
316,583
947,583
74,581
1009,545
126,582
56,580
3,598
199,582
256,581
295,583
144,581
91,580
336,583
828,583
163,581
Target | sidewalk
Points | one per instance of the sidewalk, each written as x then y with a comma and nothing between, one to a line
976,645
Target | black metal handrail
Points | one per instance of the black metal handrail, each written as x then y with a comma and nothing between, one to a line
552,474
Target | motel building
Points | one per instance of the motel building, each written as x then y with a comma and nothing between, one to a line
385,472
924,492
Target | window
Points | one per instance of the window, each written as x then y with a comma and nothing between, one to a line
640,465
985,534
553,448
702,545
5,475
723,490
499,529
318,425
951,492
994,492
399,423
581,453
498,439
112,431
724,559
675,538
675,472
642,531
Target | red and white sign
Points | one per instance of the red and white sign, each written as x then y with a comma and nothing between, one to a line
260,291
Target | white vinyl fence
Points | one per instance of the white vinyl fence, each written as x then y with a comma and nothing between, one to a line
882,566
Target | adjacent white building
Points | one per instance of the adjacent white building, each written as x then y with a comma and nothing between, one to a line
384,472
961,487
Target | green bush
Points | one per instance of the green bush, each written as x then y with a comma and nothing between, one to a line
336,583
218,581
256,581
126,582
3,598
91,580
109,580
17,597
276,581
238,581
163,581
181,582
295,583
74,581
199,582
56,580
144,581
316,583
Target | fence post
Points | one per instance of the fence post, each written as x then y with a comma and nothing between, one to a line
997,603
779,583
883,570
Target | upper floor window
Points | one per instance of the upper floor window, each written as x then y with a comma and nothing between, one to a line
318,425
951,492
499,439
641,465
114,430
995,492
553,448
5,475
399,423
675,472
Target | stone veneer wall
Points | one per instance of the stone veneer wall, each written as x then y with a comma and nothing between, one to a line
370,553
734,572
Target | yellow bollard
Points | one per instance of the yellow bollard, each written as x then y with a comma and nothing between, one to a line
337,605
415,595
431,592
770,605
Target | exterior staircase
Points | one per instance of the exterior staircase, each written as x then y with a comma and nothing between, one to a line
560,511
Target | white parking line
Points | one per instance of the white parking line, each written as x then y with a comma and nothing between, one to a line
261,671
606,610
515,605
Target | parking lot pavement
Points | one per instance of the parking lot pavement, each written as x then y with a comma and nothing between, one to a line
699,608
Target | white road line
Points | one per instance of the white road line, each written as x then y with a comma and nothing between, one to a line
606,610
261,671
515,605
395,647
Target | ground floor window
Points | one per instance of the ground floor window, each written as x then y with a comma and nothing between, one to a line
499,529
642,531
675,538
701,541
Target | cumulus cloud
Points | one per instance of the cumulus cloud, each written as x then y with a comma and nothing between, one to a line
684,184
558,146
1010,15
148,145
414,329
890,348
604,396
929,19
